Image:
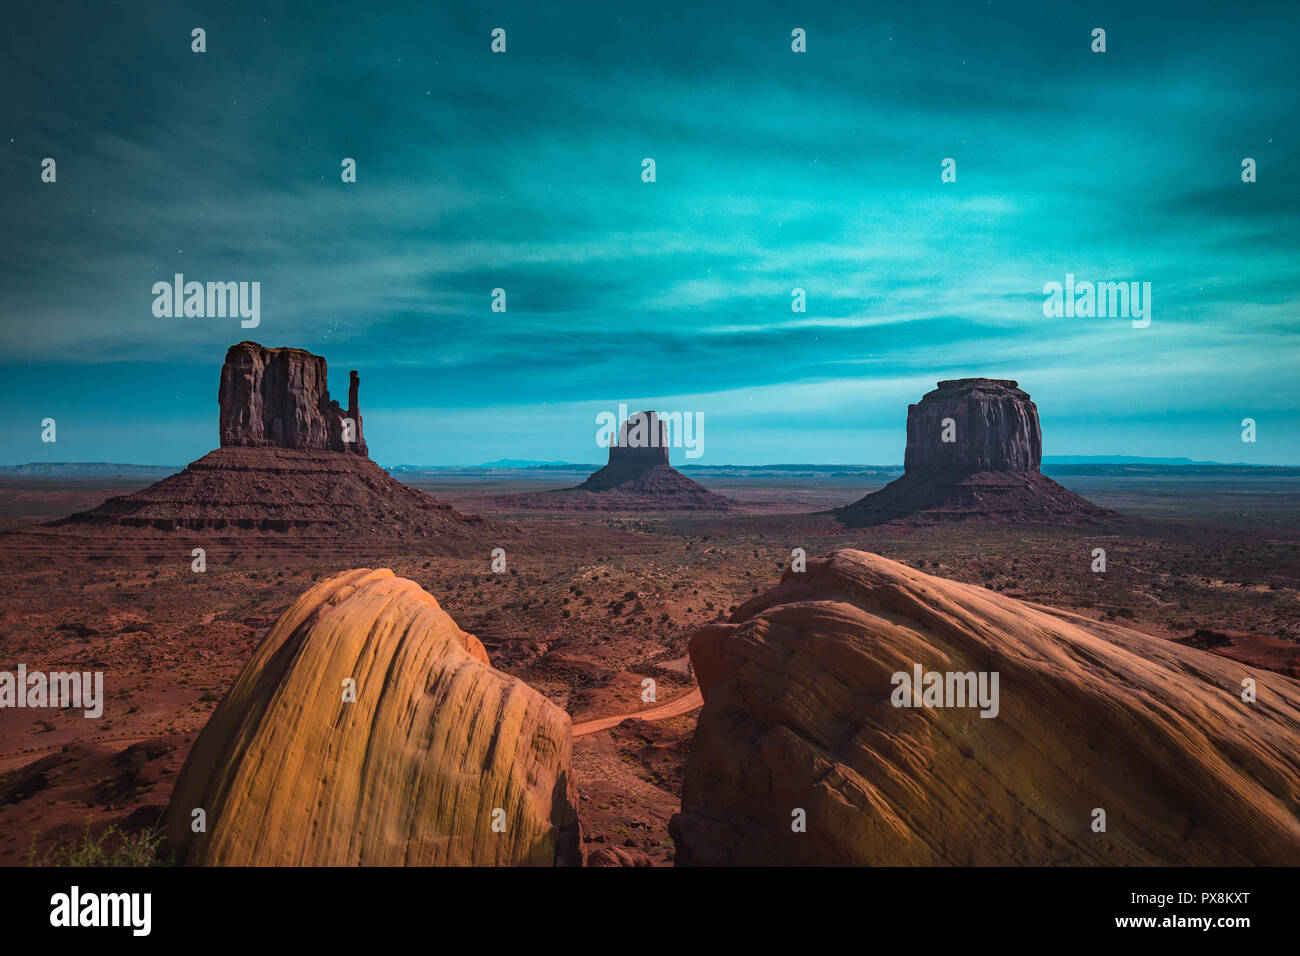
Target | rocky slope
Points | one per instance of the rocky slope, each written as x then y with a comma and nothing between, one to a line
974,448
275,489
799,715
436,748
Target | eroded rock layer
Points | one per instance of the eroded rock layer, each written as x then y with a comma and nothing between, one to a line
439,760
798,716
285,464
994,428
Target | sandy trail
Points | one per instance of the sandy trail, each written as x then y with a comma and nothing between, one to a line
672,708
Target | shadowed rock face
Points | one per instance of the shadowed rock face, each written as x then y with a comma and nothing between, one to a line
974,449
799,714
995,424
278,397
413,772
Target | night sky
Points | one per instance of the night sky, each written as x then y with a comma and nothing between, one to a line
775,170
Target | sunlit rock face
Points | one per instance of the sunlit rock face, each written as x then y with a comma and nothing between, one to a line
368,729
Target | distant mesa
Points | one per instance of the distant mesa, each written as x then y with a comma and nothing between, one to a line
637,477
369,730
291,460
800,714
974,449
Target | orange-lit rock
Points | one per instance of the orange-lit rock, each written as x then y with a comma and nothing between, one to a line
798,715
436,747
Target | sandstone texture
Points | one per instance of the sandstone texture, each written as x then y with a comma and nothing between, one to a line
278,397
989,470
436,745
996,428
798,715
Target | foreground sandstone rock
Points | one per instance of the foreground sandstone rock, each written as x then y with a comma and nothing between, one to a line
798,715
436,746
974,449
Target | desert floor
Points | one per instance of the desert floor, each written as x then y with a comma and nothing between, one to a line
591,604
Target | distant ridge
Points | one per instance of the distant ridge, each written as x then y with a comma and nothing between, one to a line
79,469
1125,460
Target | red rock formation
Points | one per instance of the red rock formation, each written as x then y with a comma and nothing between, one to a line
277,489
974,447
642,444
637,478
996,428
799,714
284,466
279,397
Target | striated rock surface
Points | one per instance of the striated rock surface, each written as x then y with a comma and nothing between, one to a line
410,774
278,397
974,449
798,715
637,478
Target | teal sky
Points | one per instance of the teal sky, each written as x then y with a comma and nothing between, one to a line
775,170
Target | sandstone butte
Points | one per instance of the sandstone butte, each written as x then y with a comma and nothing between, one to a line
637,477
974,450
285,464
798,714
409,774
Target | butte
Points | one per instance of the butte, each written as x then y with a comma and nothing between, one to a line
291,460
636,478
974,449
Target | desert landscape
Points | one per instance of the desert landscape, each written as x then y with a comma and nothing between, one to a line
543,454
512,620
